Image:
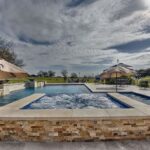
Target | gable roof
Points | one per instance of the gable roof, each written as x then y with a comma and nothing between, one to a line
8,70
8,67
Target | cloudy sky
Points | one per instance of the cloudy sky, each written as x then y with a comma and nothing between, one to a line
83,36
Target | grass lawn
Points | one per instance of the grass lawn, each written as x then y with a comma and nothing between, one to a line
17,80
47,79
50,80
146,78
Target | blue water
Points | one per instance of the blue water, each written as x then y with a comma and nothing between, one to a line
138,97
63,96
75,101
49,90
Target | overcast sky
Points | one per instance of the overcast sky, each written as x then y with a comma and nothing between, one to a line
83,36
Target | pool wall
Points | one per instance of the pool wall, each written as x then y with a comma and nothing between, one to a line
7,88
74,130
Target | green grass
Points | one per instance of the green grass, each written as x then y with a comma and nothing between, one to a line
137,82
57,79
17,80
146,78
47,79
50,80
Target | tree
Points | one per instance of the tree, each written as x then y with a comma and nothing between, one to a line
74,75
64,74
51,73
40,74
7,53
45,74
85,78
143,73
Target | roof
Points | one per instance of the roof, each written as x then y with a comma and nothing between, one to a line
8,70
8,67
123,65
121,68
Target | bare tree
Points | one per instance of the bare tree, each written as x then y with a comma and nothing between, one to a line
51,73
7,53
64,74
74,75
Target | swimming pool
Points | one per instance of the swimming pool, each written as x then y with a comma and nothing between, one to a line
138,97
75,101
49,90
64,97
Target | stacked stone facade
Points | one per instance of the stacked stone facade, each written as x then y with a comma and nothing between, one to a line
74,130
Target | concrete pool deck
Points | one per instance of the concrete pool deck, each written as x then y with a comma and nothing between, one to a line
14,111
75,124
112,88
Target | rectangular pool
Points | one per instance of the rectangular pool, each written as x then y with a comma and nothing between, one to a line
138,97
64,97
75,101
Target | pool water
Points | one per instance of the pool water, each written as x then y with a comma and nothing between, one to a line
50,90
138,97
64,96
75,101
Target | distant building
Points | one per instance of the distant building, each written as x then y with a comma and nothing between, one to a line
117,71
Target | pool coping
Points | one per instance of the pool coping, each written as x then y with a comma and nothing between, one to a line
13,110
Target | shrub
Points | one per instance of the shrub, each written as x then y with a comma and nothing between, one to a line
144,84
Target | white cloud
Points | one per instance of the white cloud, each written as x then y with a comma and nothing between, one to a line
49,33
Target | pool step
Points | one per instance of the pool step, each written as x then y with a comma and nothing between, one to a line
131,102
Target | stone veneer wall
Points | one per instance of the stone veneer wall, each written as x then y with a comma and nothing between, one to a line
74,130
7,88
35,84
